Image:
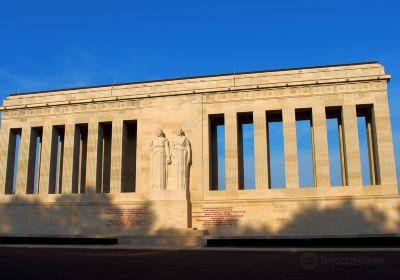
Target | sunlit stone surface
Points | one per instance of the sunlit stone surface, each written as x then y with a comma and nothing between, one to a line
139,159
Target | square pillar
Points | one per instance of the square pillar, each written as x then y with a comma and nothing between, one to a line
290,148
231,151
116,156
92,150
352,147
4,146
384,142
44,168
23,162
68,158
260,149
320,147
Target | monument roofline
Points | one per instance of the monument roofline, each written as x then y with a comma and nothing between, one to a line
196,77
290,77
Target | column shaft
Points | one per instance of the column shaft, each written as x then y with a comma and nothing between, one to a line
372,152
92,150
45,164
290,147
352,147
260,149
4,146
231,151
320,140
68,158
116,156
342,155
23,162
384,143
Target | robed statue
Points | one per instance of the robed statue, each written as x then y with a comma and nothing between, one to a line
181,159
160,158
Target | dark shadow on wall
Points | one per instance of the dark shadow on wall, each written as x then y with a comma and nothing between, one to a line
310,223
86,217
94,215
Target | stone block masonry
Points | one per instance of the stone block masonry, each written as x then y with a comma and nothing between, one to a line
139,158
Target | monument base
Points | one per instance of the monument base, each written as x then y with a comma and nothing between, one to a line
167,239
168,209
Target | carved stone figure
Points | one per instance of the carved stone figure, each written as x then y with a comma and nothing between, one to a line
160,158
181,157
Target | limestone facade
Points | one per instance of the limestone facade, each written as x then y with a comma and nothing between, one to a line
90,163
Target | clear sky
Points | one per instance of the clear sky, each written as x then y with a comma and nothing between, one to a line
57,44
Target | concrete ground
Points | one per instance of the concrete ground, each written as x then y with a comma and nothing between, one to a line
80,263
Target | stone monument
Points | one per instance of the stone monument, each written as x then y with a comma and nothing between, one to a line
85,161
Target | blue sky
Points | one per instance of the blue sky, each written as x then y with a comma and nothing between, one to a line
57,44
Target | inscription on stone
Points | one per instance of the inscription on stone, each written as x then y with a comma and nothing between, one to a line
218,216
128,217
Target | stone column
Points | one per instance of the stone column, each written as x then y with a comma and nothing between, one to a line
4,145
260,149
116,156
372,150
68,158
22,173
320,149
44,168
290,147
231,151
342,154
352,147
92,149
384,143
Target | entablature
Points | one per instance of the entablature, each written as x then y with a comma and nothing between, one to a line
303,77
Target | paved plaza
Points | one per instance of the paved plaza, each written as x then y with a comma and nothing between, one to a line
59,263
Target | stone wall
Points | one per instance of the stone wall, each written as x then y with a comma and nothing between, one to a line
33,205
